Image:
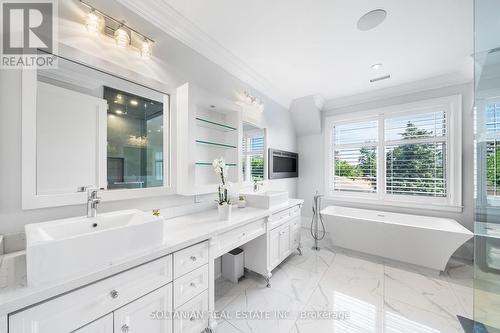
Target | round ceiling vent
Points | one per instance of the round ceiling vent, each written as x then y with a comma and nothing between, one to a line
372,19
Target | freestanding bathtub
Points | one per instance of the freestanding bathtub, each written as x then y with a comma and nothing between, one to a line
419,240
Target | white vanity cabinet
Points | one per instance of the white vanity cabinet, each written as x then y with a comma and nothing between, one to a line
138,315
135,301
280,240
102,325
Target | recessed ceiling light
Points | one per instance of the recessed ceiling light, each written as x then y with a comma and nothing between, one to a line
376,66
372,19
133,102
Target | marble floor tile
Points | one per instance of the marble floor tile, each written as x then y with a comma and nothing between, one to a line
225,327
377,296
460,276
226,291
294,282
400,317
421,291
281,311
312,260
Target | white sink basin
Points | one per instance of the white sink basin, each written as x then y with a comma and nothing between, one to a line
69,248
267,199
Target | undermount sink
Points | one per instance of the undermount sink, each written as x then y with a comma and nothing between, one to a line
266,199
68,248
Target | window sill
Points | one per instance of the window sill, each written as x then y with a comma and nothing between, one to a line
396,204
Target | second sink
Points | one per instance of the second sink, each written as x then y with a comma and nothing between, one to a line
266,199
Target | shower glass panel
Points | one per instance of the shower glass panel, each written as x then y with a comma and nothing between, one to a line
135,140
487,165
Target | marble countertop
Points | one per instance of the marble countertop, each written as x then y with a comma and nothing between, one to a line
179,232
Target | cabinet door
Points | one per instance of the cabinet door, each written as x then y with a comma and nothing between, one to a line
103,325
137,317
192,316
295,233
284,247
274,247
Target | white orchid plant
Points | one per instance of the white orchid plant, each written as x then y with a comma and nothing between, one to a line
220,169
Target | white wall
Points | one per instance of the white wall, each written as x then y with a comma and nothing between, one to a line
174,64
312,158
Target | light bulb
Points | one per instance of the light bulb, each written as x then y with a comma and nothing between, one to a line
121,37
146,49
93,23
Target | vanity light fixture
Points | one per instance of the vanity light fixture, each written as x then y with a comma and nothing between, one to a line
93,23
146,49
121,37
97,22
119,112
134,102
248,99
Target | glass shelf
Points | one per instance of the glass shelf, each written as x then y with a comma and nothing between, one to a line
215,144
215,125
210,164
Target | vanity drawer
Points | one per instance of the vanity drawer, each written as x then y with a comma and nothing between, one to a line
241,235
278,218
190,285
70,311
190,258
192,316
295,223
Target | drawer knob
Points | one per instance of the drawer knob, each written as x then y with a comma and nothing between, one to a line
192,284
193,258
192,318
125,328
113,294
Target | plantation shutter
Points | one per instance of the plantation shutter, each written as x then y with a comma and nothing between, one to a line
355,157
415,152
253,155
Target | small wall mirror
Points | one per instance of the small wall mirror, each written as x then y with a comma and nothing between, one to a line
84,127
253,153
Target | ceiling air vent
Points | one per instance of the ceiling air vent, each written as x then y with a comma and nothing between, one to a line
380,78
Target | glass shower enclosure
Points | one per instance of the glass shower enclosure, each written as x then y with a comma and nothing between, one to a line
487,166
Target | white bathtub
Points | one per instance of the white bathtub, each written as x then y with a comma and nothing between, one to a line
419,240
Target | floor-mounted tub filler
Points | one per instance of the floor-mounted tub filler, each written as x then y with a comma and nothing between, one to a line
419,240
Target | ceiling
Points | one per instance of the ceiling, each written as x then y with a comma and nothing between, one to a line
301,47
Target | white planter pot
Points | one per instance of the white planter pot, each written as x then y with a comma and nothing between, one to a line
224,212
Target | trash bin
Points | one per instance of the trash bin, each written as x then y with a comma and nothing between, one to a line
233,264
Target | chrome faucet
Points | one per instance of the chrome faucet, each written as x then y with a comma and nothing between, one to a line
256,185
92,201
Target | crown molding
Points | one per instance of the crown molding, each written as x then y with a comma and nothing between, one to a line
179,27
437,82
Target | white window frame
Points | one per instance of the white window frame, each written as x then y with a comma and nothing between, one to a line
480,155
452,106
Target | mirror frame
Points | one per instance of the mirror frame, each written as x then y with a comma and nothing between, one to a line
32,200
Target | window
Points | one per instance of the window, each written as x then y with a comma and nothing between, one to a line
253,148
415,153
488,152
407,154
355,157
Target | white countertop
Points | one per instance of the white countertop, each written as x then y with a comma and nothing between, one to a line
179,232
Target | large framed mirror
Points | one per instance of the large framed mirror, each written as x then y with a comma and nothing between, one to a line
84,127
